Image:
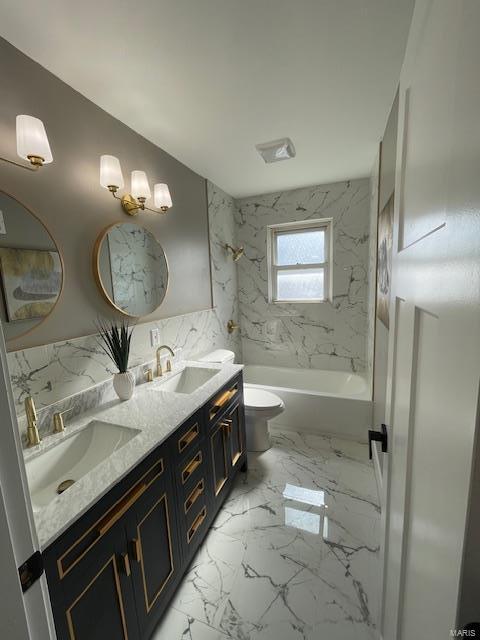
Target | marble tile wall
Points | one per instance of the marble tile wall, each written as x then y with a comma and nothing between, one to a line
51,373
325,336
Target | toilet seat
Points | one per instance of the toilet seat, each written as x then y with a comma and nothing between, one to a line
260,400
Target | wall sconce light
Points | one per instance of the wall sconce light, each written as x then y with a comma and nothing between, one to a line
111,178
237,253
32,143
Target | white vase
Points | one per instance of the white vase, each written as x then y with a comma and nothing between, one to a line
124,384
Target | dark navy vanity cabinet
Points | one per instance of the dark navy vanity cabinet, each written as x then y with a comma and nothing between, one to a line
112,573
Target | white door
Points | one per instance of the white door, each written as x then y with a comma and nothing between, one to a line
22,616
434,349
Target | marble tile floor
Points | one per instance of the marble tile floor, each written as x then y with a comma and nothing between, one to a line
293,553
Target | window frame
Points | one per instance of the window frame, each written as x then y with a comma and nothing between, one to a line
321,224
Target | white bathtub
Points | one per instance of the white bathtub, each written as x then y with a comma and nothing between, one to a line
329,402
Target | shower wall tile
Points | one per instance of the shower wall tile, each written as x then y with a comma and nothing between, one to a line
53,372
221,216
330,335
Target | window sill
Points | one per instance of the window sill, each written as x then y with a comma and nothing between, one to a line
299,301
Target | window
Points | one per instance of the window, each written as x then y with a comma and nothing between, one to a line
299,255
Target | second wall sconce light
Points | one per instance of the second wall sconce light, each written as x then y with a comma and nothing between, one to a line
32,143
111,178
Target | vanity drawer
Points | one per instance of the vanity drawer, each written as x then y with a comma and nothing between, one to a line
188,437
223,399
191,470
199,523
194,501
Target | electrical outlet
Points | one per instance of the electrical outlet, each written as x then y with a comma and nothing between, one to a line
154,337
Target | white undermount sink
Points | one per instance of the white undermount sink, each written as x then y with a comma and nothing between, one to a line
72,458
188,380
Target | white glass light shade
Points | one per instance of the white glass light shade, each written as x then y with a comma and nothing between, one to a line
162,197
110,172
32,139
140,186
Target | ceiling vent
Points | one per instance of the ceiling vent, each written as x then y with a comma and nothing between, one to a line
276,150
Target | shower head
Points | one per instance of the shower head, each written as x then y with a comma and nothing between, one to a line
237,253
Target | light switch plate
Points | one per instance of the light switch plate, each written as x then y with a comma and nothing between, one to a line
154,337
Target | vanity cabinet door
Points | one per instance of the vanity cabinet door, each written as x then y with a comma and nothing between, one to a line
234,422
219,457
95,600
154,551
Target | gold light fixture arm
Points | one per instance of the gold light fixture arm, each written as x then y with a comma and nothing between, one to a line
35,163
132,206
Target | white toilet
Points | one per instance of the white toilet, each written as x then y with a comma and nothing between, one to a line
260,405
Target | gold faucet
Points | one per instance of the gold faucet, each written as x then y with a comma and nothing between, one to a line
58,423
33,437
159,363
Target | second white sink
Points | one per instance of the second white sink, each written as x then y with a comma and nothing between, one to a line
188,380
72,458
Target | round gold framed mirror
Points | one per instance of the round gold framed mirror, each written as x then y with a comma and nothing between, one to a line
31,269
130,268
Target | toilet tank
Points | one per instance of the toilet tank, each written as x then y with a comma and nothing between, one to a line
219,356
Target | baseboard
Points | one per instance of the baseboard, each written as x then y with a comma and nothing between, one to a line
378,474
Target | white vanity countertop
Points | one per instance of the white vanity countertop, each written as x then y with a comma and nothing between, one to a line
156,414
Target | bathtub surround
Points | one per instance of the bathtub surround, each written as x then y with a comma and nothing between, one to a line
330,335
53,372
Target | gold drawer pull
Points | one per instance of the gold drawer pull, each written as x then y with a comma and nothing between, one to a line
126,564
193,497
191,466
188,438
121,509
137,551
197,522
227,426
222,400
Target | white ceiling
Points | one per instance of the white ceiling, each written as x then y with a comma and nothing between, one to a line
208,79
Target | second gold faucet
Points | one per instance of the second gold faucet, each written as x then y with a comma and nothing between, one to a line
159,359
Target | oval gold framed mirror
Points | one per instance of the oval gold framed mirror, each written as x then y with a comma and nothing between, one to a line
31,269
130,268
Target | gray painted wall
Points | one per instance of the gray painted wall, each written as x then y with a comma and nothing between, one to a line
67,197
